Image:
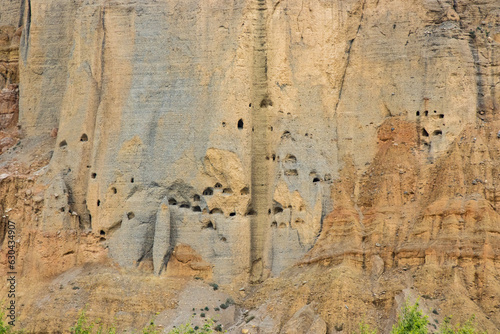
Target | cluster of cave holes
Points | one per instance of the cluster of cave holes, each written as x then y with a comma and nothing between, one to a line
298,221
209,191
83,138
435,133
426,113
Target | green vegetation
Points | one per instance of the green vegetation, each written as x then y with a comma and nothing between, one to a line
208,328
5,328
84,326
410,321
468,328
364,328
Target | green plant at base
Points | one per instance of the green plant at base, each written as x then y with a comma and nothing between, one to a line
5,328
364,328
410,320
151,328
469,327
207,328
82,325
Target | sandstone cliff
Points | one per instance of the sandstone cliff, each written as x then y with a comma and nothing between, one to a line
330,158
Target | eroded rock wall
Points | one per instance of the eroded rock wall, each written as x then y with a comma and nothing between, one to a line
233,140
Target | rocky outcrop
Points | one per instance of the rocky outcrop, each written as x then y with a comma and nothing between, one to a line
341,153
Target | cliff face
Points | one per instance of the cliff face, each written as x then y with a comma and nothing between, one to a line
349,144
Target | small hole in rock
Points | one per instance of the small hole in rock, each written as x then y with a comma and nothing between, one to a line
240,124
290,158
223,124
185,205
62,209
196,208
425,133
269,211
244,191
316,179
218,185
215,210
441,116
435,111
274,224
232,214
250,105
196,198
210,225
426,113
282,225
132,180
63,143
98,203
102,232
277,209
266,102
418,113
438,133
227,191
130,215
286,135
114,190
84,137
172,201
93,175
208,192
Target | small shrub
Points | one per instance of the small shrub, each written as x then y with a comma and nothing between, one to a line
206,308
207,328
202,315
151,328
469,327
410,321
82,326
5,328
364,328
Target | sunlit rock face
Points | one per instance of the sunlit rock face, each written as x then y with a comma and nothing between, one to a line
233,140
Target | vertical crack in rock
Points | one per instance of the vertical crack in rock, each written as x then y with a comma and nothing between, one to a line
89,128
25,37
351,42
260,172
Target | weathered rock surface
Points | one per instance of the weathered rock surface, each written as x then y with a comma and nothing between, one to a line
344,153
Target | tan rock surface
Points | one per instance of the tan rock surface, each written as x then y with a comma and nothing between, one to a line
340,155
